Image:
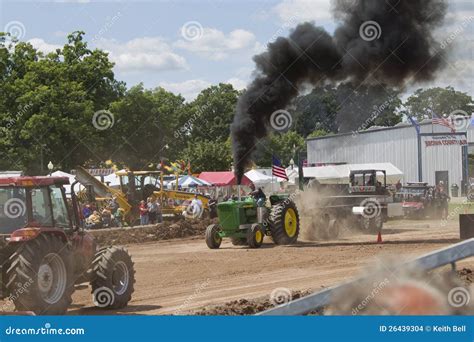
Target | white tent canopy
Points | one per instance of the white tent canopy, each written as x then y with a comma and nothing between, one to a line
112,180
339,174
258,177
72,179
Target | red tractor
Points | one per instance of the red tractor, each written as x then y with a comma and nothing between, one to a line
45,252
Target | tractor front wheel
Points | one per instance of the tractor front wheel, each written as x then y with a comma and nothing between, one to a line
113,278
284,223
255,236
213,239
40,276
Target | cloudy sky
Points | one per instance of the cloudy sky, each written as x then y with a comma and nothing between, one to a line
185,46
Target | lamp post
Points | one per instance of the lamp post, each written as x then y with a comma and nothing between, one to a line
50,167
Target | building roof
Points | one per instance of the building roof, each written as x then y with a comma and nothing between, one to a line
372,129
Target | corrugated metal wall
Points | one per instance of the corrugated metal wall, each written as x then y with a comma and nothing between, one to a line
397,146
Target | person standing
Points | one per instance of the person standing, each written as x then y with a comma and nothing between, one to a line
442,199
159,213
152,210
143,213
114,205
398,186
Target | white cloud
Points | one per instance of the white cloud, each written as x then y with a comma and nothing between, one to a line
139,54
237,83
303,10
216,45
188,89
42,46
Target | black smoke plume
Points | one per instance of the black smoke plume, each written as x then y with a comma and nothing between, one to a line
377,42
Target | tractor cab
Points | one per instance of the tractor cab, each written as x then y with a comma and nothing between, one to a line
33,202
139,185
368,181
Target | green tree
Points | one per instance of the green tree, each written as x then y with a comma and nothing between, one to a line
208,155
346,108
443,101
316,110
281,145
47,103
211,113
318,133
146,127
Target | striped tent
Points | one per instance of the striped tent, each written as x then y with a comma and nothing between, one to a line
188,182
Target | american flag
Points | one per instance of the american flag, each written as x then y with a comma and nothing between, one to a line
442,121
277,169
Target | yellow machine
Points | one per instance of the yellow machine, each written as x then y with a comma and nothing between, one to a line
136,186
150,184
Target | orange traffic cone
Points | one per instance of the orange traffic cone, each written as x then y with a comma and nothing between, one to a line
379,238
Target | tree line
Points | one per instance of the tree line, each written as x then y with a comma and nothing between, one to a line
67,107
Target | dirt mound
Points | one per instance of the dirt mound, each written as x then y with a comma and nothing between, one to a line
466,275
161,231
247,306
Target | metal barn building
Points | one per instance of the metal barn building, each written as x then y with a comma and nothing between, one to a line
432,155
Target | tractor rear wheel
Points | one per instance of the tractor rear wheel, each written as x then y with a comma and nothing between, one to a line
284,223
113,277
213,239
255,236
40,276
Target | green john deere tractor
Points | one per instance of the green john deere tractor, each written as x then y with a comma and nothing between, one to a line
245,223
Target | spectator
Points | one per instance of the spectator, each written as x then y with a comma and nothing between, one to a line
114,205
152,210
119,217
212,208
398,185
159,213
143,213
194,209
106,218
442,199
86,211
94,221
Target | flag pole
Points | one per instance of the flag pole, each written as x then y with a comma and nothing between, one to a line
273,177
432,128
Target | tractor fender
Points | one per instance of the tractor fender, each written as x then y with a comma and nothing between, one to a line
31,233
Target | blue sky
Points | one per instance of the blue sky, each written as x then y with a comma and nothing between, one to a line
150,44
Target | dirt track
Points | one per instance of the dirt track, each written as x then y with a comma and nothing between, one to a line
182,276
